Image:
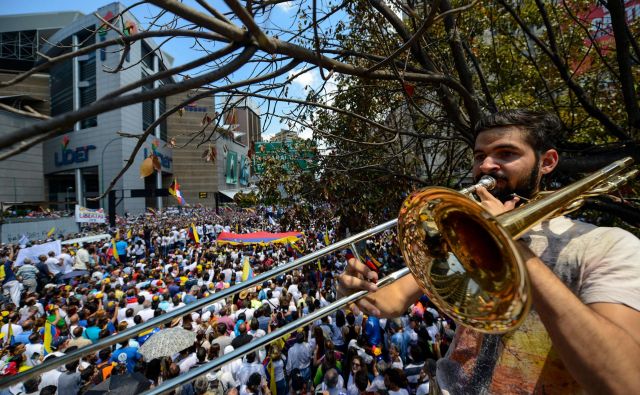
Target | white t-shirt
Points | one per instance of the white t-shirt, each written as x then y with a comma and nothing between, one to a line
67,261
423,389
54,265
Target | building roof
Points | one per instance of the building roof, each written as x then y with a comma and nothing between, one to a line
38,21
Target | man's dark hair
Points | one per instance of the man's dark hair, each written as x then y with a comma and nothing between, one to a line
540,128
254,380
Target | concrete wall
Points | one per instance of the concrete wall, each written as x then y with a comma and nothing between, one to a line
21,177
36,229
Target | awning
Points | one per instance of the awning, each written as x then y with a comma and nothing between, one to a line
231,193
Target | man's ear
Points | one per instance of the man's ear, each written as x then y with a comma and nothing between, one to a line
548,161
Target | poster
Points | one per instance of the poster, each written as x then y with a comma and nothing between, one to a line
93,216
244,171
231,168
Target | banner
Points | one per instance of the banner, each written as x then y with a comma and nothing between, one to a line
261,238
39,249
244,171
94,216
231,170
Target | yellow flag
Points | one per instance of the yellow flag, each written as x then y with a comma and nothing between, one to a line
236,228
196,236
118,234
115,250
47,337
247,272
51,231
10,333
129,234
326,238
319,265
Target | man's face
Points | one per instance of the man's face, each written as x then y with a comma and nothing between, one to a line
504,154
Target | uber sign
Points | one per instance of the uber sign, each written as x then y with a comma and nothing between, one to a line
70,156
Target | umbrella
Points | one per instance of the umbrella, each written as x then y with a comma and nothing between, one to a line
118,384
167,342
75,273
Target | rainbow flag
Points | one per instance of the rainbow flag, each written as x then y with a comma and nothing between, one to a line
174,189
247,272
196,236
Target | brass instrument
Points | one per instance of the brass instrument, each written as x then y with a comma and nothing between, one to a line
462,257
465,259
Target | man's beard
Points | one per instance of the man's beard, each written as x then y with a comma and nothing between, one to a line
525,186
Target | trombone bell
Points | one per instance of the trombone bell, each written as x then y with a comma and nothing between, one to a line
463,260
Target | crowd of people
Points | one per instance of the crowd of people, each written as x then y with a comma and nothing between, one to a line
90,292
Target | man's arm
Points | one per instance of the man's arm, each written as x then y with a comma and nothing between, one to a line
390,301
598,343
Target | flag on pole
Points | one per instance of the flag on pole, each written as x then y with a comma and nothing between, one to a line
47,338
174,189
247,272
51,232
196,236
115,250
272,377
10,334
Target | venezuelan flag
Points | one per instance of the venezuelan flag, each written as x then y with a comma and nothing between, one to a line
174,189
196,236
47,338
371,260
115,250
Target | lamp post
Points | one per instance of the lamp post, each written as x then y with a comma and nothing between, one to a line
102,168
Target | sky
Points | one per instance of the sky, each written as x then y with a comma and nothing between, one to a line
281,16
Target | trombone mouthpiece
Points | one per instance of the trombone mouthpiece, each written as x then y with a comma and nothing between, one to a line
485,181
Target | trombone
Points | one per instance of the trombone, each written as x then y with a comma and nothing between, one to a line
463,258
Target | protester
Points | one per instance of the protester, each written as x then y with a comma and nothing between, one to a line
91,293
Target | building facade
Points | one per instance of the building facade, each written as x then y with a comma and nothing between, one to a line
80,164
210,167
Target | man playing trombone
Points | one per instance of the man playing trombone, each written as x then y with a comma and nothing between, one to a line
583,333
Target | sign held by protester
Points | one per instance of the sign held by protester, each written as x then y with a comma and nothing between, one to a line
93,216
35,251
